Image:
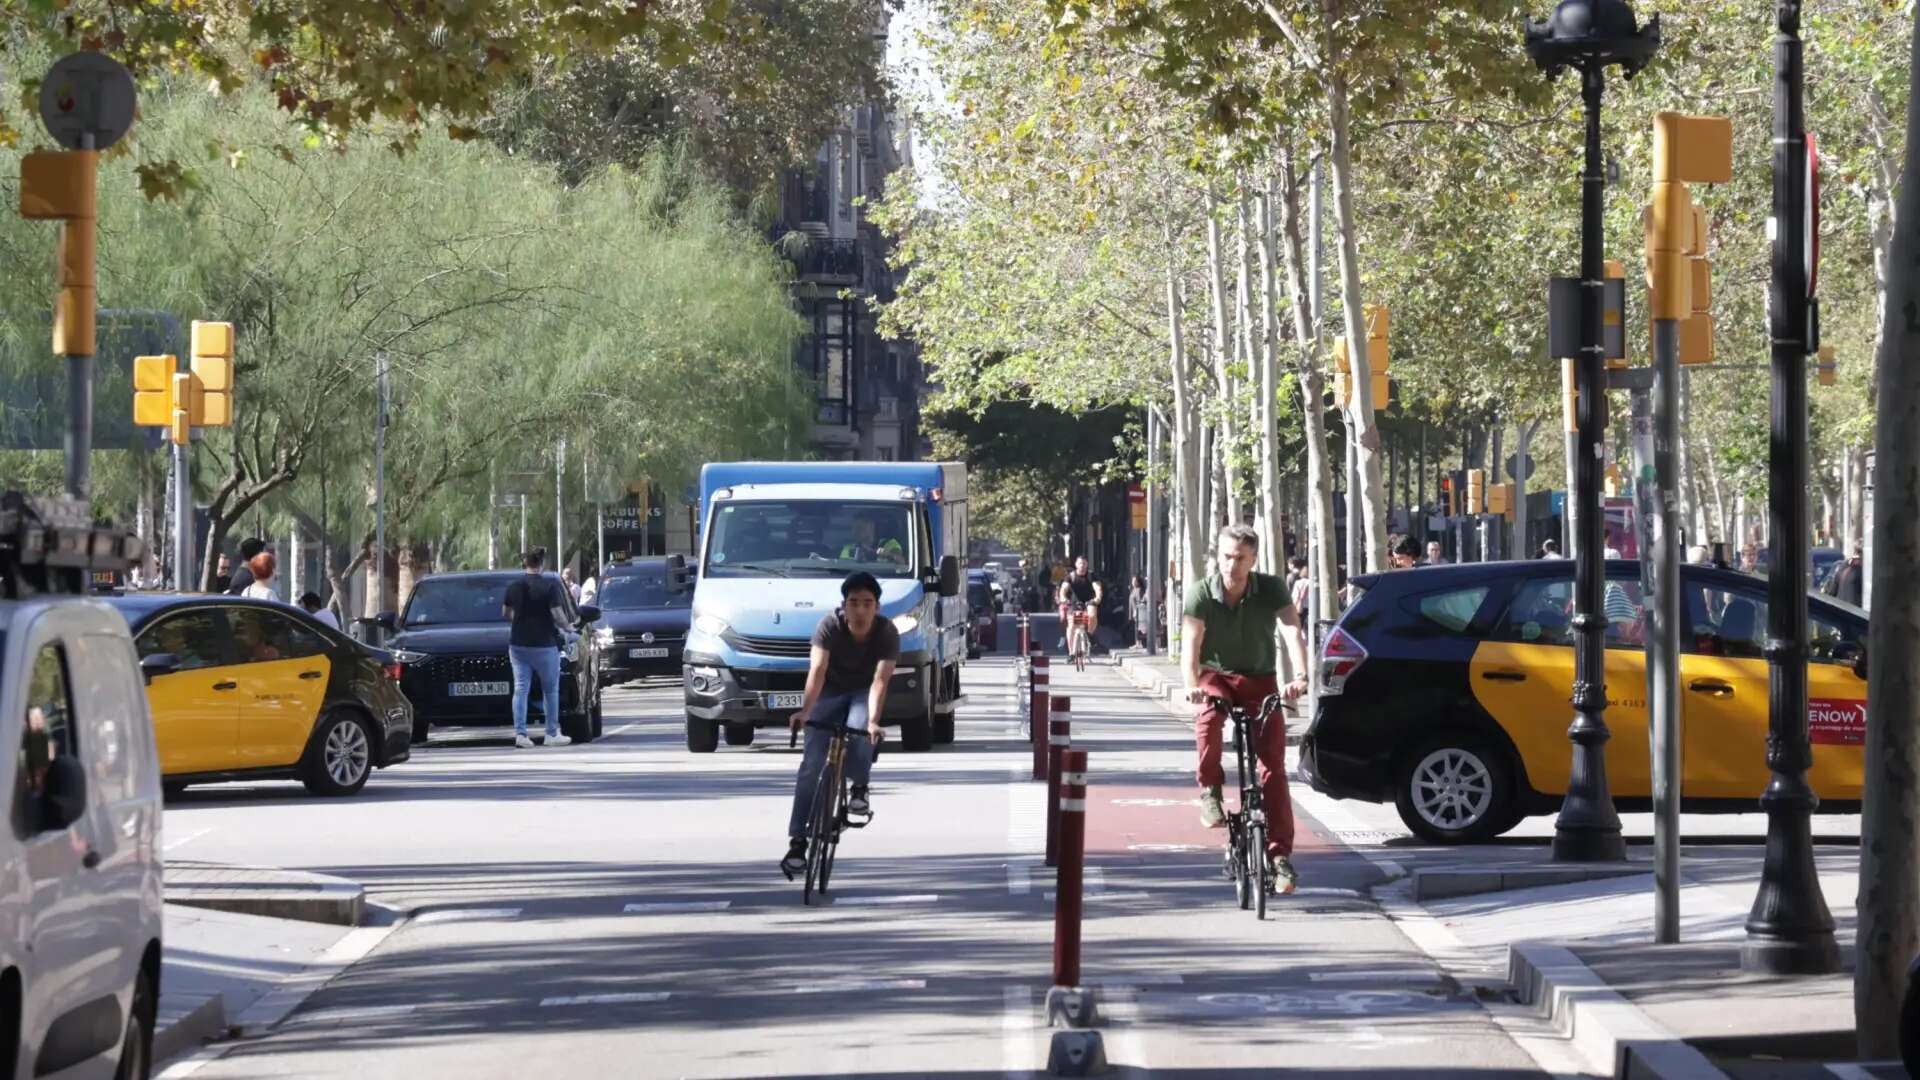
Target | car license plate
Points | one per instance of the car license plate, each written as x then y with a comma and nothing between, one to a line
784,701
646,654
478,689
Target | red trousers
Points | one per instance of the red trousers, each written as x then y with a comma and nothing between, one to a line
1209,725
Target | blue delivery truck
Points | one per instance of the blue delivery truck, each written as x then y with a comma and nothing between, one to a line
776,540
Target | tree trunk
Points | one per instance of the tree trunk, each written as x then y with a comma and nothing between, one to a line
1856,510
1373,512
1273,538
1228,481
1321,560
1189,463
1889,897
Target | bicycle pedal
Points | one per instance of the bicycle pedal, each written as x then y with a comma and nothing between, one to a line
856,821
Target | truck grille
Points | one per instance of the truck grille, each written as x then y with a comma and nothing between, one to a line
770,646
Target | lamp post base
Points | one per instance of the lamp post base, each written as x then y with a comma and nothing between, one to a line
1818,954
1582,844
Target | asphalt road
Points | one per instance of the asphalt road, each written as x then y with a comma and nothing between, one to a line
615,909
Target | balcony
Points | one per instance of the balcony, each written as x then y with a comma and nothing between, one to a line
814,258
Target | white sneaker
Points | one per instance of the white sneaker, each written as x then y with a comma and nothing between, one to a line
558,740
521,742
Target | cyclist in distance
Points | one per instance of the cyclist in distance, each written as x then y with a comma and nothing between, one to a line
1079,588
851,660
1227,635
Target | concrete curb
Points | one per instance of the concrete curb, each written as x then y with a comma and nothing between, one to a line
274,893
1446,884
184,1023
1604,1027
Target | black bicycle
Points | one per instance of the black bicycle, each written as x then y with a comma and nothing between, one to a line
1246,862
830,814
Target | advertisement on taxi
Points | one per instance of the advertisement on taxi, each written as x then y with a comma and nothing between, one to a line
1837,723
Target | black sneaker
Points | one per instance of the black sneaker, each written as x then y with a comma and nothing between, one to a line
857,801
796,859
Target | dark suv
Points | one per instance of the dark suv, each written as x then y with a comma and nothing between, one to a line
643,621
1447,690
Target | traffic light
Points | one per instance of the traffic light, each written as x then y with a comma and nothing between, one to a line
1613,316
154,400
1497,500
1686,150
58,185
1343,373
1476,491
1828,368
211,402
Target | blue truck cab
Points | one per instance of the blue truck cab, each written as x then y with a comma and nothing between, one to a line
776,541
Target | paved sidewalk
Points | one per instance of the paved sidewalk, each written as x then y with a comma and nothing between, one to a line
1505,919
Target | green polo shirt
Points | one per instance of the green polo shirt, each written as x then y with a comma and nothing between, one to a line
1240,639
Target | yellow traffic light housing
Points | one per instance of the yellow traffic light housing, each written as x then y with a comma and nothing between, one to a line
1686,150
1476,491
181,425
211,401
153,390
59,185
1828,369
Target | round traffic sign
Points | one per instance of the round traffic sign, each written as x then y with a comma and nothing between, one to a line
86,101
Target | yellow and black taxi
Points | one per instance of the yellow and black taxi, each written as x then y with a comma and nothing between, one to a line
247,689
1447,690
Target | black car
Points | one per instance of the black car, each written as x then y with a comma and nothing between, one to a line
643,622
1447,691
451,642
983,620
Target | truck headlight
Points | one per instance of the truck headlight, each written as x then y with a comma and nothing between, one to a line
906,624
712,625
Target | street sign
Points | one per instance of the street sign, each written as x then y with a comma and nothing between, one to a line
1513,462
84,96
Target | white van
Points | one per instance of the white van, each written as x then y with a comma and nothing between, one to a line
80,888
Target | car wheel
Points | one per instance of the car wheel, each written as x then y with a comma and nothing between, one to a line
422,728
341,758
136,1049
703,736
1455,788
577,726
173,789
739,734
599,715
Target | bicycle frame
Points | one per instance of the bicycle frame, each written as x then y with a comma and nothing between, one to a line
829,814
1246,859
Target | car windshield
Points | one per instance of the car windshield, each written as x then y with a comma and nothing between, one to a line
640,589
444,601
812,537
979,595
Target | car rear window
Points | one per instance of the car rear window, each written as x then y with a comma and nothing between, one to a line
1454,609
980,595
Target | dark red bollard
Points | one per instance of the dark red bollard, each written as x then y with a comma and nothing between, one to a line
1059,739
1037,708
1071,809
1021,621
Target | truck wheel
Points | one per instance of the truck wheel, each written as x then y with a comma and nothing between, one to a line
703,736
739,734
916,735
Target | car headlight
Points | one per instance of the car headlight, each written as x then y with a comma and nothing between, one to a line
407,656
603,636
710,624
906,624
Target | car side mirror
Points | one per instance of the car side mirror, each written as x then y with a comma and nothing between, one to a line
1860,662
63,794
677,576
950,581
158,664
386,620
589,613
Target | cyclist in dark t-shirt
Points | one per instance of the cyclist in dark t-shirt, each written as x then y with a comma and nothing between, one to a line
1079,587
854,650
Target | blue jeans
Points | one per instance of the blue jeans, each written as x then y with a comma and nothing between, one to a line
831,709
528,661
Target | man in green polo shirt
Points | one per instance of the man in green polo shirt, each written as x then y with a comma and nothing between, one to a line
1228,630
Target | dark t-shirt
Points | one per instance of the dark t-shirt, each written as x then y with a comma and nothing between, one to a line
850,663
1080,589
533,599
237,584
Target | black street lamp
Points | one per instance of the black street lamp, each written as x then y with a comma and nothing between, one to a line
1790,930
1589,36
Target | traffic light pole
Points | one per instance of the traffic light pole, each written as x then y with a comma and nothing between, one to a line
1662,602
1588,828
182,519
380,483
1790,930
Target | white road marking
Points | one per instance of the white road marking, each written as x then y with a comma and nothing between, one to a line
1016,1032
621,730
187,839
675,906
448,915
1375,978
857,986
1018,883
636,998
350,1015
1155,802
1176,848
1131,982
870,901
1092,896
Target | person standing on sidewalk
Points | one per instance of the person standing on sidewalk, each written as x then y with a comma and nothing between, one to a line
850,663
538,611
1227,631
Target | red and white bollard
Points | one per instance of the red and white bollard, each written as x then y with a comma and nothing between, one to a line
1021,621
1077,1052
1037,707
1059,739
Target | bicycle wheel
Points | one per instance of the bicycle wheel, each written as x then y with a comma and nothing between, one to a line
1237,861
1262,874
819,839
834,825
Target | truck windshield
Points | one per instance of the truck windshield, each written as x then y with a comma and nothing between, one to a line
800,537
